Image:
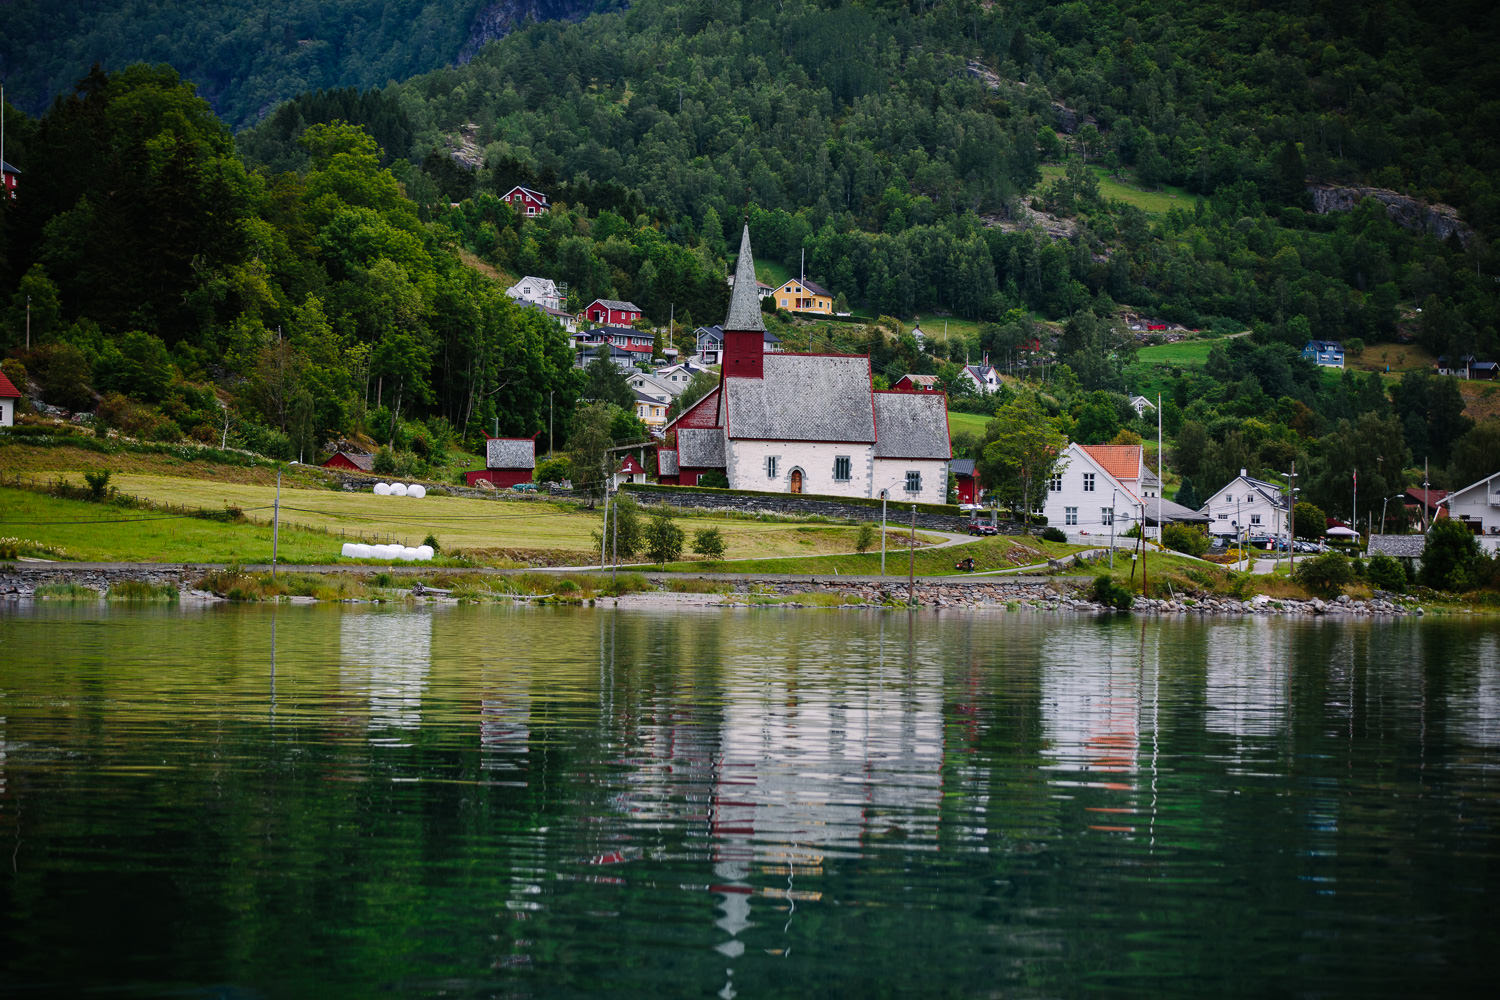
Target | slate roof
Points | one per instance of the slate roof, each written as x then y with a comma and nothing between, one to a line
911,425
700,447
804,397
355,458
1400,546
961,467
927,380
8,388
8,168
744,303
510,453
1171,512
811,286
616,304
666,462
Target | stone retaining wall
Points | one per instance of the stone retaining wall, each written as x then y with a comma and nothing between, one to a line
791,504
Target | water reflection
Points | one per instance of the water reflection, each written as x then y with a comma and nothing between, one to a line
385,658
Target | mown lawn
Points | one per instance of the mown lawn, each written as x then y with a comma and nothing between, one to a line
1185,352
970,423
514,525
1001,552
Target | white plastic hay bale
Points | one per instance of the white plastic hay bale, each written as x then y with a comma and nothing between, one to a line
387,552
348,550
398,489
425,552
363,551
382,489
408,553
416,490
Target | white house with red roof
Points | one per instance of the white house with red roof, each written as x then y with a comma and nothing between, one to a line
526,201
806,423
612,312
630,471
1101,486
8,396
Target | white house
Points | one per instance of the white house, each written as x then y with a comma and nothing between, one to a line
985,378
806,423
8,396
1252,505
652,387
676,377
1099,487
542,291
1141,405
1478,506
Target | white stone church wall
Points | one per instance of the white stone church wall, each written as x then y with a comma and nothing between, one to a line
745,465
890,474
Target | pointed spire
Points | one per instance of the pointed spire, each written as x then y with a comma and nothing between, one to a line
744,300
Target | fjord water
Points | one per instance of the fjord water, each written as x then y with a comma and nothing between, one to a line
480,801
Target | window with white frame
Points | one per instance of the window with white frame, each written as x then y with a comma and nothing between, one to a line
1106,515
1254,518
1088,482
770,466
1228,498
1054,484
913,482
1223,517
1070,515
842,469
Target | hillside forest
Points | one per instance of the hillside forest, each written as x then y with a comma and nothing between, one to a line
336,268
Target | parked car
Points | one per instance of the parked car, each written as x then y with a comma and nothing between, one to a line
524,487
982,528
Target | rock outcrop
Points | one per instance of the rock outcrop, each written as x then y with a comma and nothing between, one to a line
1407,212
496,20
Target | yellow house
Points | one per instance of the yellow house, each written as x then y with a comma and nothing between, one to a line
652,412
804,296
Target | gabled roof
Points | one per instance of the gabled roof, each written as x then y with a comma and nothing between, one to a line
927,380
714,332
1323,345
529,192
744,303
1427,498
509,453
630,465
911,425
1447,501
641,397
8,388
811,286
8,168
980,371
616,304
1171,512
803,397
1400,546
961,467
1123,461
358,459
700,447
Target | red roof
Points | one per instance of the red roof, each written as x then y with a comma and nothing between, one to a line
1428,498
631,466
1123,461
7,388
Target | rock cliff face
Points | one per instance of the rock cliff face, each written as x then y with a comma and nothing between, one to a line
496,20
1440,220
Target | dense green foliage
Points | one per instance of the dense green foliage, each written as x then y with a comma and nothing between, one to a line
1325,575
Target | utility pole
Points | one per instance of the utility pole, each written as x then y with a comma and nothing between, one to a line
28,323
911,562
883,495
614,547
604,530
549,422
1144,592
276,523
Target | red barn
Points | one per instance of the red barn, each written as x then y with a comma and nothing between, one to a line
612,312
917,383
353,460
9,174
507,461
526,201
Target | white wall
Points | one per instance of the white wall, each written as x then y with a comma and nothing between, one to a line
890,474
1248,503
745,465
1091,526
7,412
1474,504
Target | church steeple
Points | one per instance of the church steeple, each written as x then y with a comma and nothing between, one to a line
744,300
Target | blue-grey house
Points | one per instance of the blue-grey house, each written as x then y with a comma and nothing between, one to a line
1324,353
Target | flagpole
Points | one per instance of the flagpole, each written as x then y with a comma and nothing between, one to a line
1161,483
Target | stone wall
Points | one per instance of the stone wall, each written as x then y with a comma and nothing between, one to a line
794,504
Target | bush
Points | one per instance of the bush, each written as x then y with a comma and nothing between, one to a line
551,470
865,539
714,479
1054,535
1186,539
709,543
1110,594
1386,573
98,484
1326,575
1450,556
385,462
663,539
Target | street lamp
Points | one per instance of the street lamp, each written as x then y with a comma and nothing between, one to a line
1398,496
1114,499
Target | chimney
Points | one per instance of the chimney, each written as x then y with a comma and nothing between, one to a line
744,331
1243,474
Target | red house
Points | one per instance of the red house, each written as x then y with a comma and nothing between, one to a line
9,174
968,479
526,201
354,460
507,461
612,312
917,383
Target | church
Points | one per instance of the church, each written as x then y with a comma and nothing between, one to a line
780,422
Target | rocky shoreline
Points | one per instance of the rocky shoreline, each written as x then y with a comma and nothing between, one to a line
21,583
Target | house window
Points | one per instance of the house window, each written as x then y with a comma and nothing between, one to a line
842,469
1106,515
1228,498
1254,518
1223,517
770,466
1070,515
914,482
1088,482
1055,483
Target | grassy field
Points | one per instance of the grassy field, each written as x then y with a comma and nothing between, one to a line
1186,352
1001,552
498,531
967,423
1114,188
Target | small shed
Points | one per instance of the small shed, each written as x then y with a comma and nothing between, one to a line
507,461
968,479
8,396
353,460
630,471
